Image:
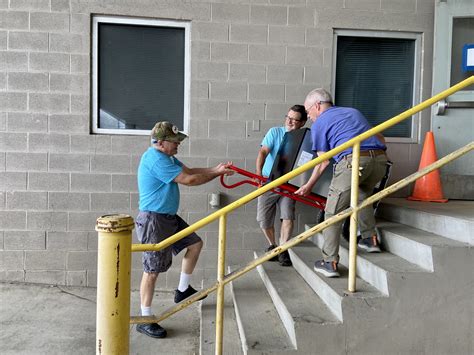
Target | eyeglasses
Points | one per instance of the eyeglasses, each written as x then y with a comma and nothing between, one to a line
309,108
174,142
292,119
316,102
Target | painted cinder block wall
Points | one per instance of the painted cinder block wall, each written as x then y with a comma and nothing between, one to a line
250,61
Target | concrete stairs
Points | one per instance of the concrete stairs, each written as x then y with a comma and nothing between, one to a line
452,220
414,298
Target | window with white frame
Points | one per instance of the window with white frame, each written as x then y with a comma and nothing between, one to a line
378,73
140,74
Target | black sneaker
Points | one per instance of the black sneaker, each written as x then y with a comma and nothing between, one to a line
179,296
370,245
271,247
153,330
327,268
284,259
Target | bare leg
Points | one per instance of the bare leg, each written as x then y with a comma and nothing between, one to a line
270,235
286,230
147,288
191,257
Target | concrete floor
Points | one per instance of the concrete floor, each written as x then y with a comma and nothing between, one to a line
41,319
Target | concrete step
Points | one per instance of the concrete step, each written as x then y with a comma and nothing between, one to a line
375,268
412,244
302,312
231,340
260,327
332,291
453,220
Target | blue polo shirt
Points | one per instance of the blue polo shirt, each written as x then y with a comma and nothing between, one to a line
157,190
336,126
272,141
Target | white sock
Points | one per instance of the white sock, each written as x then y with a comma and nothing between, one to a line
184,282
146,311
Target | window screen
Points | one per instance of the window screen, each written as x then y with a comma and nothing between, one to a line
140,76
376,76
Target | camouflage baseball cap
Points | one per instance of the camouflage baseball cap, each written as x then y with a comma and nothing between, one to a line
166,131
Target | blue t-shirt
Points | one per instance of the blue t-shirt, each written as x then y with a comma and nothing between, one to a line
336,126
272,141
157,190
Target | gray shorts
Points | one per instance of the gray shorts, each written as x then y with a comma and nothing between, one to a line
155,227
266,208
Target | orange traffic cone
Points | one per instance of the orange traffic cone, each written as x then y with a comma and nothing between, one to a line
428,187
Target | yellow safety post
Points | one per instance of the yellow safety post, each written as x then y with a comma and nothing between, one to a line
354,217
113,283
221,285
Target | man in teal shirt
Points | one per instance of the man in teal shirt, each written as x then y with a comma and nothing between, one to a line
159,174
267,203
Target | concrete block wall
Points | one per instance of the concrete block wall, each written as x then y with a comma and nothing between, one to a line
250,61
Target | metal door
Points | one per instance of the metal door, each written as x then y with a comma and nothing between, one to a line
453,120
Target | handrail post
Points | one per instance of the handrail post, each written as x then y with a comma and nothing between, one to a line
221,284
354,218
113,283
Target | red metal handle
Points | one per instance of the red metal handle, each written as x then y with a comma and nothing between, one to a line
285,190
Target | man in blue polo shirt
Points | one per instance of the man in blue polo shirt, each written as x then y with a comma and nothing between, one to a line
159,174
333,126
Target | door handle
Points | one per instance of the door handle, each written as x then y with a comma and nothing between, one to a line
443,105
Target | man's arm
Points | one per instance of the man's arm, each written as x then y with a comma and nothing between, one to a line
261,156
318,170
199,176
381,138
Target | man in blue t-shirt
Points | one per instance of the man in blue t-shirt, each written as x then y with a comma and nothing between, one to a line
267,203
333,126
159,174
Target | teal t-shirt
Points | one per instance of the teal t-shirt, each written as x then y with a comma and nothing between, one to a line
156,188
272,140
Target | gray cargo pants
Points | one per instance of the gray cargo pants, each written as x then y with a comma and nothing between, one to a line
339,196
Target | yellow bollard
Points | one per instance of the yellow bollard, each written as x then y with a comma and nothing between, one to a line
113,283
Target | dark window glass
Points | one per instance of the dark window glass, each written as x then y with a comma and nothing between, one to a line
376,76
463,33
141,76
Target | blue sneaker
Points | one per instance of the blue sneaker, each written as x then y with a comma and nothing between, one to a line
327,268
370,245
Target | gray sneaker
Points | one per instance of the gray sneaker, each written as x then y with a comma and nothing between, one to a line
327,268
370,245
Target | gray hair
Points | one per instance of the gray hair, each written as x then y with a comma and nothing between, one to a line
319,95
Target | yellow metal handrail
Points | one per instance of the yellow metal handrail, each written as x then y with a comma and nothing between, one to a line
281,180
353,210
308,233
